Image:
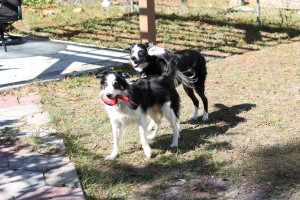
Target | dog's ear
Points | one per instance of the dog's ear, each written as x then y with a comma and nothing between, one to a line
129,47
148,45
122,74
122,80
102,75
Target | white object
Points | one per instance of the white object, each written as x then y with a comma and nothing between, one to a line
106,4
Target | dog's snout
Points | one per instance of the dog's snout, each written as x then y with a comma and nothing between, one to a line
108,94
133,58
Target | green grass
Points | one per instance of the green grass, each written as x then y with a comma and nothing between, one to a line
6,136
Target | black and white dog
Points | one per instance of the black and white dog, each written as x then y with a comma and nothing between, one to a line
134,101
191,63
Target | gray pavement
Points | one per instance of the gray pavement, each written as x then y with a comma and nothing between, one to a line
45,172
38,59
26,173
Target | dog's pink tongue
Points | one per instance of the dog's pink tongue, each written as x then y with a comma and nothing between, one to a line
135,63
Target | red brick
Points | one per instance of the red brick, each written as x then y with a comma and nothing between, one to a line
32,99
9,150
53,193
8,101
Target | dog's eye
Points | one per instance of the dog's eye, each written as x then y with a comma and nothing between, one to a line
142,51
104,84
116,85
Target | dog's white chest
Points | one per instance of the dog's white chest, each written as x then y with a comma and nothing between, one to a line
122,114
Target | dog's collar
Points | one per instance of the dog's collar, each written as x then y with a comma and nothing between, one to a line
134,105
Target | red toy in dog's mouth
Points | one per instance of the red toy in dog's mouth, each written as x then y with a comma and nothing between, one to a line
109,101
113,101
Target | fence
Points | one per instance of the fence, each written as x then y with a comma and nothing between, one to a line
277,12
281,13
219,28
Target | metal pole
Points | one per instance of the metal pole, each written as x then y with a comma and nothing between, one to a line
184,4
258,13
131,6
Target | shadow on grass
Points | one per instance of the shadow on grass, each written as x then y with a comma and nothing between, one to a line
226,38
220,122
291,31
276,169
155,173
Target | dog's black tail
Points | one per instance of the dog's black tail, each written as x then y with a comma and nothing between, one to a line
170,70
170,67
171,60
188,81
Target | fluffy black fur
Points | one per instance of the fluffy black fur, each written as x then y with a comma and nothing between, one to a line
190,62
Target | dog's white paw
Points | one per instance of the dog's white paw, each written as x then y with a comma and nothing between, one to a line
156,51
174,144
195,115
205,116
150,128
147,151
151,136
110,157
151,125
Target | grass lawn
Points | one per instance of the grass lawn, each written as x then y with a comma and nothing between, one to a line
249,147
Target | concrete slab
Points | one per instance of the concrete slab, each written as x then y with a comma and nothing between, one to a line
19,110
17,182
3,163
54,193
6,197
52,141
19,132
11,115
63,176
30,47
8,121
37,162
38,119
34,62
9,150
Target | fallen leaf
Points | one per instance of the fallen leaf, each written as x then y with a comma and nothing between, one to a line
61,122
